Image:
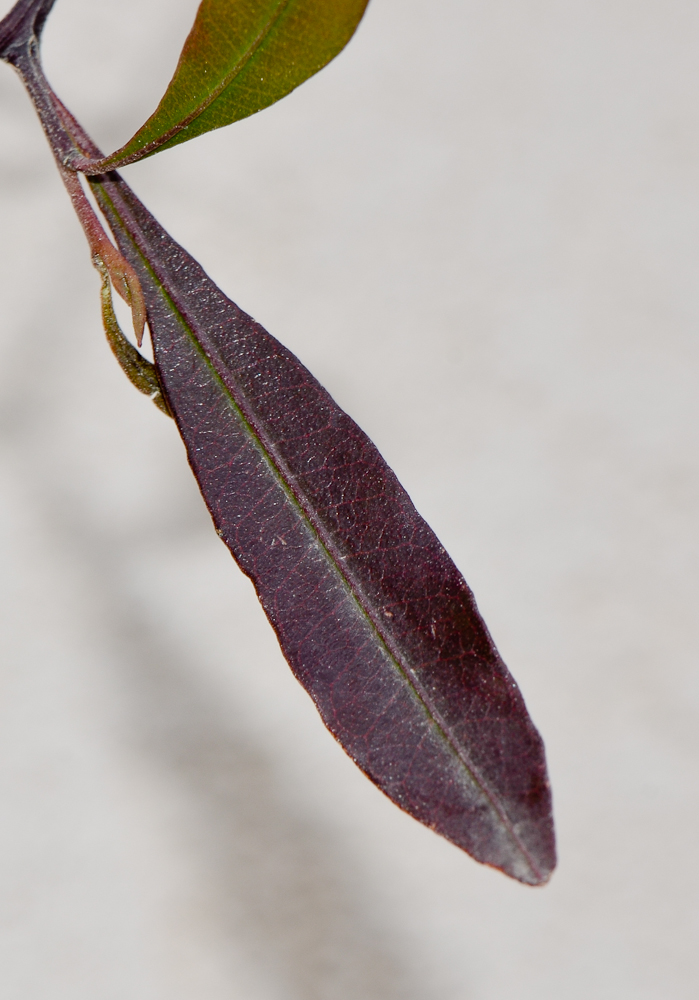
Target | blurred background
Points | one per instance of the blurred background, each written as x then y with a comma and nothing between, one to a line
479,228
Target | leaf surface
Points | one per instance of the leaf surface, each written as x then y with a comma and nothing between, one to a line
372,615
240,57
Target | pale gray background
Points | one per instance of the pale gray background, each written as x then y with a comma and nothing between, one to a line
480,229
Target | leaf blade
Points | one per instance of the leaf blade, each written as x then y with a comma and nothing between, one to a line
240,57
372,615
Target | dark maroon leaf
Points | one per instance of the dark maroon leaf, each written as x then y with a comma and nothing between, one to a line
372,615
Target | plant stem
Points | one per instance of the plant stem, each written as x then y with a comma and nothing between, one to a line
20,34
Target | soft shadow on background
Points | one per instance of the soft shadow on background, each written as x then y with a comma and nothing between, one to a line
272,881
480,229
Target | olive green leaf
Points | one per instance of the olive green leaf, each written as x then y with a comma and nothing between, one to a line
240,56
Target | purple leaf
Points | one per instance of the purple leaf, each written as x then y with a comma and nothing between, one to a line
372,615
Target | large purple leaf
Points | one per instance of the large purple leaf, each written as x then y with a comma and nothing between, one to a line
372,615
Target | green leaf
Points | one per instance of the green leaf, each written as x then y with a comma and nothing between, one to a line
241,56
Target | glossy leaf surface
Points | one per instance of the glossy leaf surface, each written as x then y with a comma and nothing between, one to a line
241,56
374,618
